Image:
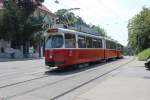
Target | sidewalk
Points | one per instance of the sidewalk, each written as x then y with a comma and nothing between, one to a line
131,83
5,57
17,59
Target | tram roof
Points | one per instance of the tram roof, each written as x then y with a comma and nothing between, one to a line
63,30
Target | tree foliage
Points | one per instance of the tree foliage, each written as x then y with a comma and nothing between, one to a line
18,24
66,17
100,30
1,19
144,55
139,30
69,18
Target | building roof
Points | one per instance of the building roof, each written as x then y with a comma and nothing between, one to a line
41,7
45,9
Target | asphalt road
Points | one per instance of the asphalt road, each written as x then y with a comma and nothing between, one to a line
30,80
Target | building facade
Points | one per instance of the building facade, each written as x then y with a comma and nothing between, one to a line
48,20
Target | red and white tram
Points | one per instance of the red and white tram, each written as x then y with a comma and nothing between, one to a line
66,47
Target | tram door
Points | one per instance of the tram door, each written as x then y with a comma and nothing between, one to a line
70,46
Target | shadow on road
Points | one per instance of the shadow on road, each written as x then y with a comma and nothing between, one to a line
148,69
72,70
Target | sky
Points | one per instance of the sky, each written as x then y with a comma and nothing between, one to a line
112,15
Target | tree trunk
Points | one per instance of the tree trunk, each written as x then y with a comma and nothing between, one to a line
26,49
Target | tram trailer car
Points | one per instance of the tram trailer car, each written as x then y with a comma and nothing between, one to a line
66,47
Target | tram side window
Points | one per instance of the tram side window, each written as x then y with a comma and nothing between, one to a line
110,45
81,42
118,47
95,43
122,48
100,45
113,45
88,42
107,45
70,41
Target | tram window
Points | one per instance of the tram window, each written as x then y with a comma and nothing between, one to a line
118,47
121,47
54,41
88,42
113,45
81,42
100,45
108,44
95,43
70,41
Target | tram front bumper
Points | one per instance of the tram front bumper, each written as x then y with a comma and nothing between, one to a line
54,63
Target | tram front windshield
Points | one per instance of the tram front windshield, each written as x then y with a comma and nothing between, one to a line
54,41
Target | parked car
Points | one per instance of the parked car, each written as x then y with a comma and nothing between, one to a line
147,63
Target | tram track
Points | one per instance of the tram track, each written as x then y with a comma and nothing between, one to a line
44,76
21,78
65,79
89,81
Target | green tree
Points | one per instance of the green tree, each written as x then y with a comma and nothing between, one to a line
69,18
18,25
1,19
66,17
100,30
139,30
80,21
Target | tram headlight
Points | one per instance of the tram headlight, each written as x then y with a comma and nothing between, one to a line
50,56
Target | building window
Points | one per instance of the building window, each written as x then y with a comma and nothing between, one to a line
2,50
